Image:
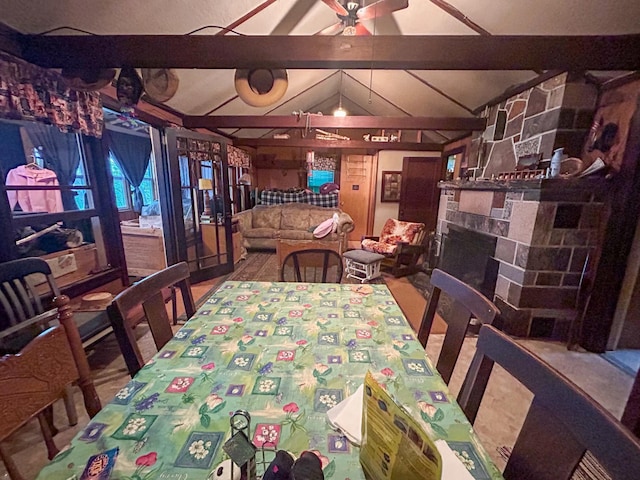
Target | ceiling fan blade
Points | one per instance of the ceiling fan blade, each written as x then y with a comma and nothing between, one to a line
336,7
361,29
380,8
334,29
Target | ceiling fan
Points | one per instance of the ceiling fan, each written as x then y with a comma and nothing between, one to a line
352,13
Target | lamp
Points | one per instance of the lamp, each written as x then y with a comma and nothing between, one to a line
340,112
205,184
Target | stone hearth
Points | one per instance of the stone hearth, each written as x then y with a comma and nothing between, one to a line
545,230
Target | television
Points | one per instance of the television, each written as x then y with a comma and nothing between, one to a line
317,178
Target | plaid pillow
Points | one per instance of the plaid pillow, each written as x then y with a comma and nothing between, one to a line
328,200
270,197
293,197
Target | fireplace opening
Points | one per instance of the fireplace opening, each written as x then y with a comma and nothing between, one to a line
469,256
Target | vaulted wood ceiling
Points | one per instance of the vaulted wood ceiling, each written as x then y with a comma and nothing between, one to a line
406,75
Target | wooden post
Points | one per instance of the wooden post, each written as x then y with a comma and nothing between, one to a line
85,382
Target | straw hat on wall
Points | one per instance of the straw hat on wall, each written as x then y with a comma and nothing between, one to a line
261,87
88,80
161,84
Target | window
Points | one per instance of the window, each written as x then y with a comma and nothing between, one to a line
122,188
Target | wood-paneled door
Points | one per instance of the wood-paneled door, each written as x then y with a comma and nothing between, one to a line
357,190
419,192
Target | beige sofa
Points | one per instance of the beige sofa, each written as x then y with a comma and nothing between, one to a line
263,225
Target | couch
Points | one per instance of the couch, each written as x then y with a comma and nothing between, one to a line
263,225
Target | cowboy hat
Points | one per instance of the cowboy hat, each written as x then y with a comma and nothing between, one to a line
88,80
160,84
261,87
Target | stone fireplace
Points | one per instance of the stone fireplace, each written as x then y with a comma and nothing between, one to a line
543,232
470,256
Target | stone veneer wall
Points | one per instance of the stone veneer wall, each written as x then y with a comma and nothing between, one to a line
545,233
557,113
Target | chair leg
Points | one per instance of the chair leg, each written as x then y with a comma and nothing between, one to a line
47,414
52,450
70,406
9,464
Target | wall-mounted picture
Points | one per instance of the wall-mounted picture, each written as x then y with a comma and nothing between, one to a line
390,191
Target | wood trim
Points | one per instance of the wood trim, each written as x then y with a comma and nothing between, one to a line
325,121
10,40
414,52
461,17
341,144
245,17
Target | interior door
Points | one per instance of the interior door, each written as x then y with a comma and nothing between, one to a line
419,192
195,203
357,188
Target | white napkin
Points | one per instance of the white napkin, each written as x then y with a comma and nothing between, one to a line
452,467
347,416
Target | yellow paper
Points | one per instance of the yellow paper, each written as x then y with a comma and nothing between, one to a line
394,445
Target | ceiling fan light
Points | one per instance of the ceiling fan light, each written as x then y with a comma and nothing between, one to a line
349,31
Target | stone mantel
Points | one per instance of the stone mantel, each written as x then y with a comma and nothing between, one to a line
545,189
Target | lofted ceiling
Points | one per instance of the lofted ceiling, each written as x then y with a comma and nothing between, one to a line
366,92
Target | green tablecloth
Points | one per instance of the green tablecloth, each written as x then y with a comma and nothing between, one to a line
285,352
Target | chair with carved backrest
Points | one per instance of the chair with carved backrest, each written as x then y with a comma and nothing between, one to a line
402,243
312,265
562,424
40,360
149,292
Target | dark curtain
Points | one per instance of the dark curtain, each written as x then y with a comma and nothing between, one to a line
60,154
132,153
12,148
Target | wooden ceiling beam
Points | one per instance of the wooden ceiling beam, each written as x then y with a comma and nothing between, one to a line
327,121
470,52
342,144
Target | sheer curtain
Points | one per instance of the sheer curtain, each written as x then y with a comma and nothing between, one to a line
132,153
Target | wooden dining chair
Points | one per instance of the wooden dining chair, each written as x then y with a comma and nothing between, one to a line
27,291
314,265
562,424
464,303
37,375
149,293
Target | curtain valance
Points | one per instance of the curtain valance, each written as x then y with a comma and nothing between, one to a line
32,93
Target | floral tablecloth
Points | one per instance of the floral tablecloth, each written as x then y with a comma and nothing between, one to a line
285,352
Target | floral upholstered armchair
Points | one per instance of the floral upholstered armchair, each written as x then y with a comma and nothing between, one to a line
402,243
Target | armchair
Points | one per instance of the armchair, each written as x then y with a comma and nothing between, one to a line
402,243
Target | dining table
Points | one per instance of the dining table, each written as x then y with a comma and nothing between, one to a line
286,353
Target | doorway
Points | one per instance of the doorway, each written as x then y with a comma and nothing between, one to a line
196,203
419,193
357,187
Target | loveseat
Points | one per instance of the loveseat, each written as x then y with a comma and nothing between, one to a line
263,225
